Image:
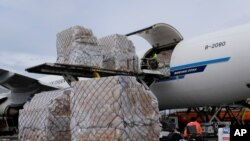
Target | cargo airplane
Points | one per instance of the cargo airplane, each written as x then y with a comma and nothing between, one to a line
208,70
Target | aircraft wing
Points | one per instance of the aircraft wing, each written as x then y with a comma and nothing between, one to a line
18,83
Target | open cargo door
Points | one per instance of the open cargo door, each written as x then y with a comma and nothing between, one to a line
159,35
163,38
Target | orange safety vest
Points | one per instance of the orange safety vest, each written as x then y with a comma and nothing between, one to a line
197,126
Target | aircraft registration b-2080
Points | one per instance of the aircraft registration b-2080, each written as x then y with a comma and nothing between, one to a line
208,70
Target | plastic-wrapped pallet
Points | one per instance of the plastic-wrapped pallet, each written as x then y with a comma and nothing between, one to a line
117,43
113,109
164,58
164,61
82,54
46,117
67,38
121,55
121,61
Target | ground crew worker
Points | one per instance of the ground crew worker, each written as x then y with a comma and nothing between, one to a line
154,62
198,128
154,56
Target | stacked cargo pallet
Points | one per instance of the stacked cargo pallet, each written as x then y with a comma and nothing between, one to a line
121,55
46,117
73,37
78,46
113,109
86,54
164,61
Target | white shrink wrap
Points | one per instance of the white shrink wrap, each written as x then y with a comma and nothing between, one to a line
164,58
67,39
46,117
113,109
121,53
78,46
117,42
88,55
121,61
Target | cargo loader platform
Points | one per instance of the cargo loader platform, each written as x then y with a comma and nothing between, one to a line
75,71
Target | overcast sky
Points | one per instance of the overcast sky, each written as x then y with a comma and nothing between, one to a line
28,27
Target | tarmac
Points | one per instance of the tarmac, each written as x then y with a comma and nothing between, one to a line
15,138
212,139
9,138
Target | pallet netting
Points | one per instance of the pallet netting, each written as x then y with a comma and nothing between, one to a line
78,46
46,117
117,43
73,35
84,54
113,108
121,55
164,58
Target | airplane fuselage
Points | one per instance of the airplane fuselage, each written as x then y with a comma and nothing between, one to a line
213,69
208,70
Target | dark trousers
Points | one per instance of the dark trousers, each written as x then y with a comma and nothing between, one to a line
197,138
